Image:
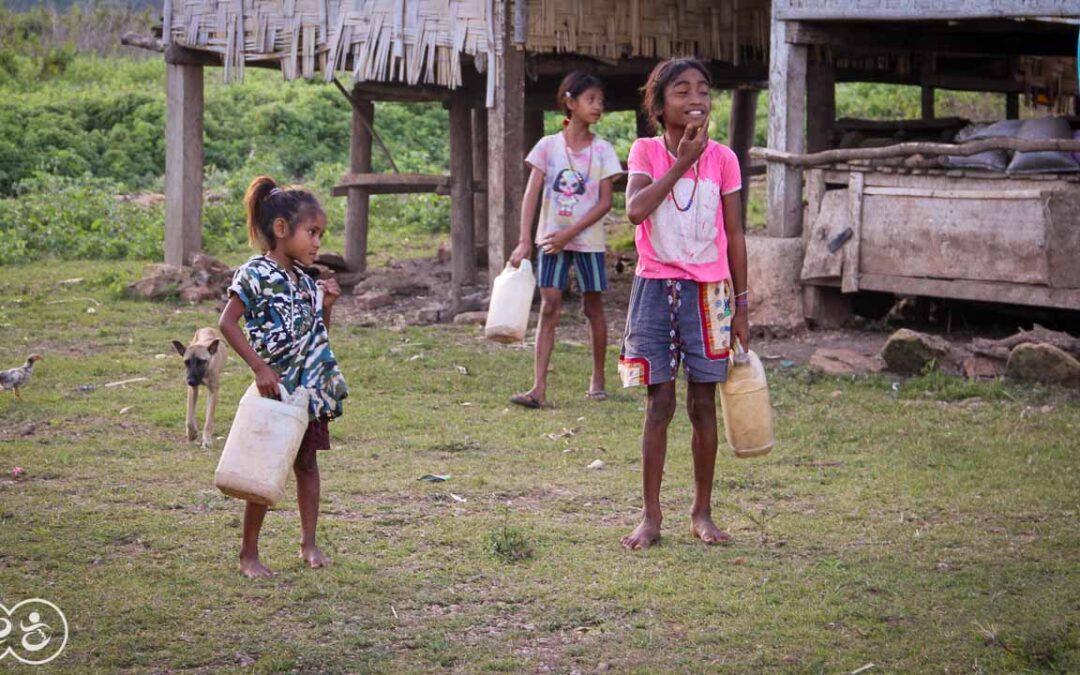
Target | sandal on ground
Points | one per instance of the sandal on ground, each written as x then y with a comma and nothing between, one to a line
526,401
598,395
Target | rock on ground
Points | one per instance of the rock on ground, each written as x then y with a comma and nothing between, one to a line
840,362
471,318
1042,363
907,352
775,288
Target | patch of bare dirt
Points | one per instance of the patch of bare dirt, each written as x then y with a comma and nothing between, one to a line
418,291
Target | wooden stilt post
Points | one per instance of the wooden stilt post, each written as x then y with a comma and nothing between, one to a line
480,168
506,151
820,104
356,207
642,124
927,103
741,136
1012,106
462,246
928,66
787,130
183,162
534,131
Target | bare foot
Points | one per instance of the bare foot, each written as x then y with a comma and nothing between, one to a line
314,557
253,568
702,527
645,535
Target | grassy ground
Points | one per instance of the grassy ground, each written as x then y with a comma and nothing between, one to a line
902,527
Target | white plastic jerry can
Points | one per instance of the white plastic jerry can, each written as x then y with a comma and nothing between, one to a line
262,446
511,299
748,415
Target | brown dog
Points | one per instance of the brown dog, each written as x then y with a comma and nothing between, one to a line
204,359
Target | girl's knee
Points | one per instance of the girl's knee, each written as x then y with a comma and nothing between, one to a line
701,404
660,408
551,308
593,308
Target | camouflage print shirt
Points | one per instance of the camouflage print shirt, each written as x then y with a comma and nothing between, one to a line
284,321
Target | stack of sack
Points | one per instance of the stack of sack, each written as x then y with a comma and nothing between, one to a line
1051,161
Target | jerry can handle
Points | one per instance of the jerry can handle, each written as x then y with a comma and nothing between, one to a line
741,358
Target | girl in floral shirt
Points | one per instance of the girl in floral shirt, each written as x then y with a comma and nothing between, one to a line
286,314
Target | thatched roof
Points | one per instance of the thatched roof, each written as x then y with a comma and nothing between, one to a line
708,29
420,41
410,41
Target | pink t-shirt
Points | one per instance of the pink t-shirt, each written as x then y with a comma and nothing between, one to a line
685,244
572,187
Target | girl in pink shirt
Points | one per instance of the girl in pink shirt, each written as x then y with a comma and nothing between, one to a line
689,296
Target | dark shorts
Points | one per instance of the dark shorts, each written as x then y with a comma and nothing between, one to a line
554,270
676,320
317,436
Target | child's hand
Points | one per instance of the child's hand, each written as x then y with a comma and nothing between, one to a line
556,242
740,328
267,380
694,140
523,251
331,291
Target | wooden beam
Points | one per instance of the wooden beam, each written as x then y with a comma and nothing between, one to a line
741,137
183,162
921,9
506,151
399,184
787,131
962,38
849,282
462,241
356,208
148,42
984,291
480,170
906,149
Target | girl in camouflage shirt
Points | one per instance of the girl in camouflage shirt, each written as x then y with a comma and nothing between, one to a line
287,316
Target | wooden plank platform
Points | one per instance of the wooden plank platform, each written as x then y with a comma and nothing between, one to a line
983,291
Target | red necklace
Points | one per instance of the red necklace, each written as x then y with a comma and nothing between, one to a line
693,192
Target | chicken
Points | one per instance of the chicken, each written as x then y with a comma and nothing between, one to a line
14,378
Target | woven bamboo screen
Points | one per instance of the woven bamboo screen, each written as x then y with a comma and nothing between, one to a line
710,30
410,41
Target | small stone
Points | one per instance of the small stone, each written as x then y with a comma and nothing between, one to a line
374,300
473,302
196,294
907,352
1042,363
433,314
837,394
471,318
596,465
981,368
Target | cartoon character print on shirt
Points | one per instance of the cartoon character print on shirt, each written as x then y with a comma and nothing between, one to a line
687,237
568,186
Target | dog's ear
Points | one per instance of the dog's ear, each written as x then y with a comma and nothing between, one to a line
179,347
213,347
